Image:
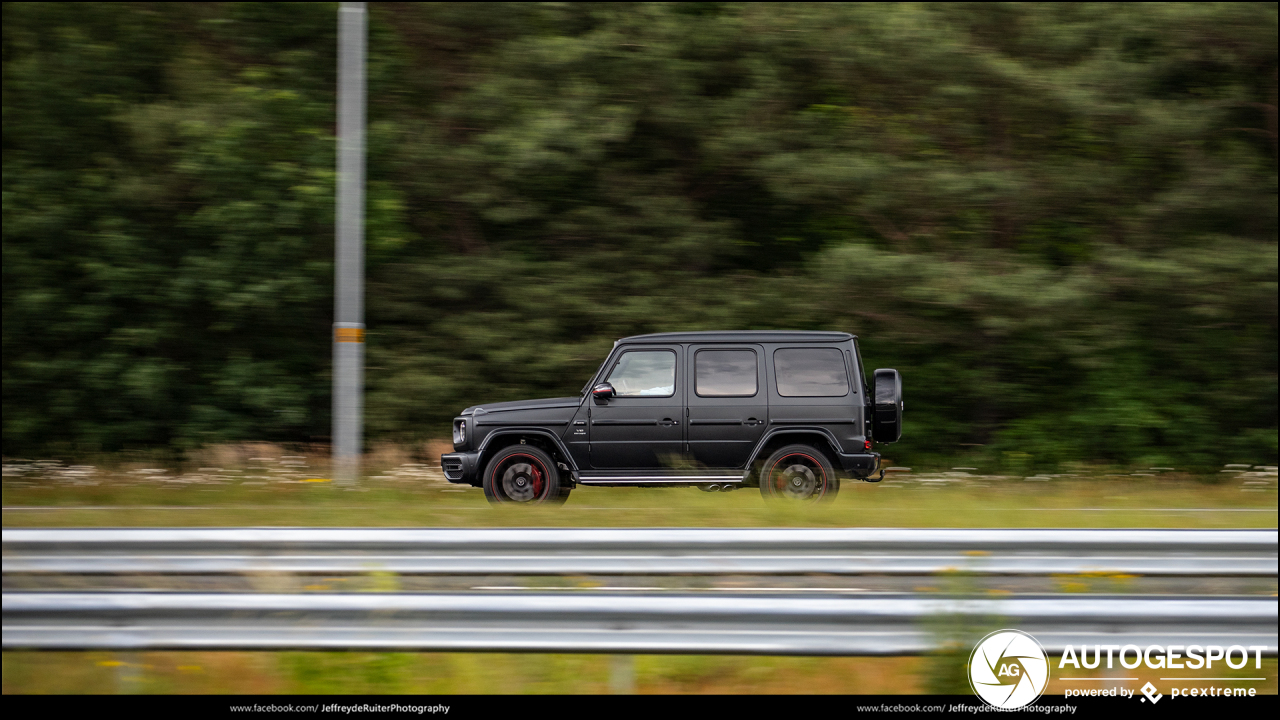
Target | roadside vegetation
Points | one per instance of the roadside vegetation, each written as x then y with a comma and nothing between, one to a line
265,673
271,485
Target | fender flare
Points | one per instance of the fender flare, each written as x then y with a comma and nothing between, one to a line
797,430
542,432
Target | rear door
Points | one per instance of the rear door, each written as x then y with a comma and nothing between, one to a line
642,427
728,408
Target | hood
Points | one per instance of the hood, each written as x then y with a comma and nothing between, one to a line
545,403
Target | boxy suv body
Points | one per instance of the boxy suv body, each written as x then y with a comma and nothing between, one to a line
781,411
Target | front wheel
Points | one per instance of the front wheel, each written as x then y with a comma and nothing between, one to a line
523,474
799,473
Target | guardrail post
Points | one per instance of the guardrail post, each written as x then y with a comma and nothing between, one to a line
622,674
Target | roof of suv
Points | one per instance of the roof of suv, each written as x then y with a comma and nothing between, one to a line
742,336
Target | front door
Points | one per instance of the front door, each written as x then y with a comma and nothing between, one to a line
642,427
728,405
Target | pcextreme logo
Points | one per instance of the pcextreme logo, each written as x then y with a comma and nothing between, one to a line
1008,669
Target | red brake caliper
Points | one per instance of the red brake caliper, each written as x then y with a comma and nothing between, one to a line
537,481
777,478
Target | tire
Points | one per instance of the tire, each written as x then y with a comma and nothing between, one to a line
523,475
799,473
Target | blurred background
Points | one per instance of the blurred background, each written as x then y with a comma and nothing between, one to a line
1058,222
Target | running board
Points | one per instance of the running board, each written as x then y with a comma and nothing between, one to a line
654,479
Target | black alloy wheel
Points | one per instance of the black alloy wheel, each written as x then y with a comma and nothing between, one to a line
523,474
799,473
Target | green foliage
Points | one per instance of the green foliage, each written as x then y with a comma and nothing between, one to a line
1058,222
349,672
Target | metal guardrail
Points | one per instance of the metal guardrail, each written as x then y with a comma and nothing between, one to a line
601,623
534,551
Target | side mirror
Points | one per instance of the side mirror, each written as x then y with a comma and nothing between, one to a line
603,392
886,413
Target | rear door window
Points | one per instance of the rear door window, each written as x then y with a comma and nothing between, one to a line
725,373
811,372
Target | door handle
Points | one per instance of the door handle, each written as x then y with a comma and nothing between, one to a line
668,422
751,421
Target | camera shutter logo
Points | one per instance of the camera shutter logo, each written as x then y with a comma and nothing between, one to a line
1008,669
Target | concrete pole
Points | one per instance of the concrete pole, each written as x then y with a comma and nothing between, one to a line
348,326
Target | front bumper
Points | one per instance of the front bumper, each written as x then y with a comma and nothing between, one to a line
459,468
859,465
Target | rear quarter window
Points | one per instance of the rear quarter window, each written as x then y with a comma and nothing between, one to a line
810,372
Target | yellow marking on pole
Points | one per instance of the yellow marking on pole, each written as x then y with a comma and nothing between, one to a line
352,335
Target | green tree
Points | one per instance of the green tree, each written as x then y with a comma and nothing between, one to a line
1058,221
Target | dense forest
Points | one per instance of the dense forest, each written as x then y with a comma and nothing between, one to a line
1058,221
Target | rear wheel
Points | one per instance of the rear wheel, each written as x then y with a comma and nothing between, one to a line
799,473
523,474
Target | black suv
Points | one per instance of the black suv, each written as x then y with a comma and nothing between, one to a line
719,410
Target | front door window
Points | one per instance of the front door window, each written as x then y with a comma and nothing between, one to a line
645,374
